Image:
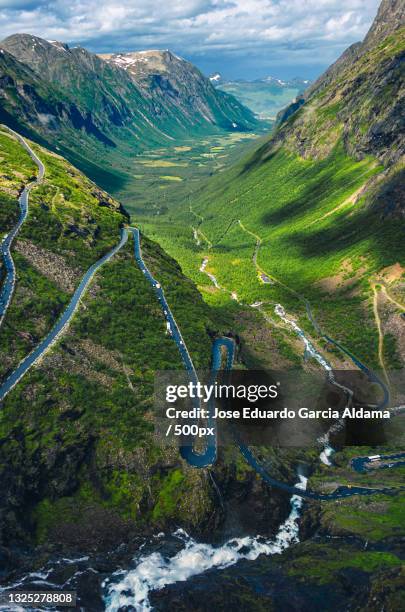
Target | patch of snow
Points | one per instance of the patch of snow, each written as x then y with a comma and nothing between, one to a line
46,118
125,61
58,45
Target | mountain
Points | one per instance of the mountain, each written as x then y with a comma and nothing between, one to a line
389,21
267,96
359,99
98,113
301,84
180,92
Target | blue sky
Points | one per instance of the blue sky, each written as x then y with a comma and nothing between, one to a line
239,38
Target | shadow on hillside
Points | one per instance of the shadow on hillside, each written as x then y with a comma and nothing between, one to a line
381,237
112,181
323,184
228,248
258,158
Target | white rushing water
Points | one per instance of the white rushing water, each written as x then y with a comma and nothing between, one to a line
309,347
211,276
195,236
155,571
311,351
325,455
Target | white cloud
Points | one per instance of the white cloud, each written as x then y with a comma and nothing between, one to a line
277,28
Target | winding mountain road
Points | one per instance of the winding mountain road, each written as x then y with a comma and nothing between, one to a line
9,283
208,456
246,452
62,323
187,449
7,289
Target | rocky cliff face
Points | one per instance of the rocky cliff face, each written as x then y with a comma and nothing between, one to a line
178,89
390,19
96,96
360,98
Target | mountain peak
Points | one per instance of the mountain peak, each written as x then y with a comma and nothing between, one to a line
142,63
359,99
24,41
390,17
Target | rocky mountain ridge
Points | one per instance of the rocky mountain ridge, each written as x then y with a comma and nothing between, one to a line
360,98
178,89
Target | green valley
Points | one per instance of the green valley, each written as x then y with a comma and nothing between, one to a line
314,210
154,229
99,115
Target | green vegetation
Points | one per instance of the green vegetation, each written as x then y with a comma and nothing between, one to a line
36,305
93,394
320,236
121,494
318,563
374,518
16,169
87,407
70,213
16,165
169,496
192,163
124,493
391,354
299,209
163,163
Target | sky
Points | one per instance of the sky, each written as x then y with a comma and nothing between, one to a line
239,38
